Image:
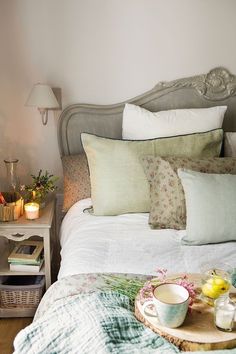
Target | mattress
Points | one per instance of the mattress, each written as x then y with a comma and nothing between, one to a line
126,244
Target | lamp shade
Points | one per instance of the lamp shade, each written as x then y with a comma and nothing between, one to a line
42,96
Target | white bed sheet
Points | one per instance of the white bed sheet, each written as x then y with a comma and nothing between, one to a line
126,244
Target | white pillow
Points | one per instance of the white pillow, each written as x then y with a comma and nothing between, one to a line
230,144
138,123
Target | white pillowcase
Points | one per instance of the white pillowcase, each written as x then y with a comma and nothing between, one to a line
139,123
230,144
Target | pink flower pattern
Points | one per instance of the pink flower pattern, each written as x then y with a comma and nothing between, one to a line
147,290
76,179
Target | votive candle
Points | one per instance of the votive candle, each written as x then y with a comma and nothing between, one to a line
32,211
224,314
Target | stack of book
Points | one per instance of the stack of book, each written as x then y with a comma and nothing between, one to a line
27,256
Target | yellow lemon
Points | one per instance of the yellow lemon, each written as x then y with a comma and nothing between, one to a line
215,286
207,290
220,282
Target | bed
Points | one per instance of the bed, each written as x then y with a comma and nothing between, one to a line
98,245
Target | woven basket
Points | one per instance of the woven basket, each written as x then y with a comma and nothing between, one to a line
14,207
21,296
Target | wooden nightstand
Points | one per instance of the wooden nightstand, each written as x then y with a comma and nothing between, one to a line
23,229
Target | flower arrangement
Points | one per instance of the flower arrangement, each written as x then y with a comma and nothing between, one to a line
42,184
131,287
147,289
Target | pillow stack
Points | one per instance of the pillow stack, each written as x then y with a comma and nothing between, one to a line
140,172
118,182
168,209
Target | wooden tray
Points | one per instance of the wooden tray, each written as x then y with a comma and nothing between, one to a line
197,333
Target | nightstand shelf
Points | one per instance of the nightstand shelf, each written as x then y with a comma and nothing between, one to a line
5,269
23,229
6,313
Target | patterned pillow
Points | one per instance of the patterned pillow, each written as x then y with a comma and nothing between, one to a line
168,208
76,179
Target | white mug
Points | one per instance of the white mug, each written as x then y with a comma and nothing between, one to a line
171,304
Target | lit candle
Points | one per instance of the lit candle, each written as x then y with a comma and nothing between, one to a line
32,211
224,315
33,195
17,212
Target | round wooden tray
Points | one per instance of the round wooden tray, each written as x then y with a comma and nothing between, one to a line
198,331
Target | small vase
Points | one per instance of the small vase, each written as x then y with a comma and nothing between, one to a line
13,194
12,178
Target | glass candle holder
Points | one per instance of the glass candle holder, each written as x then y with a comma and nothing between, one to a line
32,211
216,281
224,314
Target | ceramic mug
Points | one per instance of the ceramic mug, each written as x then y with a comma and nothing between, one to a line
171,304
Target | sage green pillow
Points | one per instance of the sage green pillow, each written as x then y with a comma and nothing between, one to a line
211,207
118,181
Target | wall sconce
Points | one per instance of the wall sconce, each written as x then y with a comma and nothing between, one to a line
44,99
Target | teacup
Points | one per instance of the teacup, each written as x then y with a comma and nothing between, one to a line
171,304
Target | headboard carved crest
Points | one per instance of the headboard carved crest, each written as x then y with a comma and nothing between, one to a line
218,87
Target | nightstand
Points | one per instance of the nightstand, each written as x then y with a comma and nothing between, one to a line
23,229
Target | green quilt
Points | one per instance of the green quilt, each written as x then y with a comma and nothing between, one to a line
88,314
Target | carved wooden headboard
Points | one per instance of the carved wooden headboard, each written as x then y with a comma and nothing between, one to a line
218,87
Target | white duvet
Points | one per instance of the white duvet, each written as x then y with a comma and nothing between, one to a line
126,244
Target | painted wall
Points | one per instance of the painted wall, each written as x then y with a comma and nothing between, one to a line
98,51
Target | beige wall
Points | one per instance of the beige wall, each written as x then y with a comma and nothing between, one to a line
99,51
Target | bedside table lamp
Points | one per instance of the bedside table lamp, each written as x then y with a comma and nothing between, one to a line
44,99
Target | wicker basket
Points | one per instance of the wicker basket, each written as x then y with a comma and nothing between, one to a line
15,295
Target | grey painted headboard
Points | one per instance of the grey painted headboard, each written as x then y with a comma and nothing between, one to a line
218,87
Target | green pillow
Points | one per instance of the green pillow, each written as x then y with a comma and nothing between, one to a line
118,181
211,207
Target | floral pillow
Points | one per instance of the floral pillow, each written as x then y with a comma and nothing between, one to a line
76,179
168,208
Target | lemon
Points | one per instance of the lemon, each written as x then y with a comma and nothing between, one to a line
219,281
209,291
215,286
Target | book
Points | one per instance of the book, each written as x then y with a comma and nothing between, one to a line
26,251
36,262
18,267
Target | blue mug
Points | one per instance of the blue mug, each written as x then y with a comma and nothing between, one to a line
171,303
